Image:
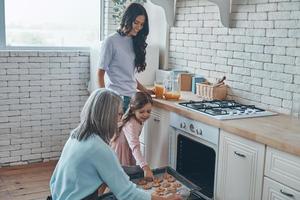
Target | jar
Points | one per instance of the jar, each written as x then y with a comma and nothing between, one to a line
172,88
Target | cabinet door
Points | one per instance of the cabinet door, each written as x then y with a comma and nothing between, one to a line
156,140
276,191
240,171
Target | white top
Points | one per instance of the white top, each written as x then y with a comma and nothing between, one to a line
117,59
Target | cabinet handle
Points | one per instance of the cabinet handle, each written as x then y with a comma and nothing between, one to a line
286,194
156,120
239,154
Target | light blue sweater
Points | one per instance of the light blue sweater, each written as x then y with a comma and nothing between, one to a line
84,166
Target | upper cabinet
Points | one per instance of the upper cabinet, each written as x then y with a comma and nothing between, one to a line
170,9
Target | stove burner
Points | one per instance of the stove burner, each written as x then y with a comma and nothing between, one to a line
225,109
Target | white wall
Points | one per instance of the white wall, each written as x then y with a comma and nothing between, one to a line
41,95
260,54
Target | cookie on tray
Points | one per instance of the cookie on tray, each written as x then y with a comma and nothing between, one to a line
156,184
172,190
148,186
171,179
166,175
141,182
158,193
177,185
160,190
165,184
157,180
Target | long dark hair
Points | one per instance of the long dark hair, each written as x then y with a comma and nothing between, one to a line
99,116
139,41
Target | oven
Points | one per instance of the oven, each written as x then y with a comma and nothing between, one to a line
193,152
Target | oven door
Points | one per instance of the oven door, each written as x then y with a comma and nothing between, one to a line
195,159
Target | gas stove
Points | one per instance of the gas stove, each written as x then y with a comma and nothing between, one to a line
225,109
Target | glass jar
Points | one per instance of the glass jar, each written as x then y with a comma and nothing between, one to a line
172,88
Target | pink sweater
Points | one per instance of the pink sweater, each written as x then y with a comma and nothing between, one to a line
127,145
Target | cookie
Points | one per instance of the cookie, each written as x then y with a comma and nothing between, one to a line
171,179
165,184
156,184
160,190
177,185
158,193
142,182
148,186
166,175
172,190
157,180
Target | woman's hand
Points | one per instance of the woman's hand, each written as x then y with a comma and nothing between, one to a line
148,173
171,197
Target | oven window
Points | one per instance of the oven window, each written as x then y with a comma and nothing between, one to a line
196,162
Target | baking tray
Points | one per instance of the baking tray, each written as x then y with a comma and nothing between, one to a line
194,191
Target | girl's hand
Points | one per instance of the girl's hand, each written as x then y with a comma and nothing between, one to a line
148,173
151,91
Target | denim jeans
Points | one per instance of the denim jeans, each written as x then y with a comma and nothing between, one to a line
126,101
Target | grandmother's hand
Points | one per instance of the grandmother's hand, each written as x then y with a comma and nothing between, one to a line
171,197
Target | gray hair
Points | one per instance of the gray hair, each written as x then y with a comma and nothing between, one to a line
99,115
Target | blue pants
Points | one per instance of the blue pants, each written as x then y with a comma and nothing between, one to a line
126,101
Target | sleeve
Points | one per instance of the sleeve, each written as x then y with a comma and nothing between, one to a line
116,179
132,133
106,54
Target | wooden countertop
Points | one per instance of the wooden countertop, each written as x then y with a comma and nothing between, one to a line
280,131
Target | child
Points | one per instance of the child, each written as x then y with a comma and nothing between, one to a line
126,143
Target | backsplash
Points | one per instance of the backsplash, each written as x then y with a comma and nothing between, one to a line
41,96
259,54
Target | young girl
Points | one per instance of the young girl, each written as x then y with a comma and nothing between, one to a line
126,143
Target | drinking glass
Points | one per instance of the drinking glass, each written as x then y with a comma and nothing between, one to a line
159,90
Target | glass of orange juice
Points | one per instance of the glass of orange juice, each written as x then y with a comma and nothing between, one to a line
159,90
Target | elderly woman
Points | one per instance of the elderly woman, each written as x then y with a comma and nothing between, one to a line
87,161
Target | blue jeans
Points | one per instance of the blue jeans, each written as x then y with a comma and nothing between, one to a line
126,101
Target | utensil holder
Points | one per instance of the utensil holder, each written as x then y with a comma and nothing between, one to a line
211,92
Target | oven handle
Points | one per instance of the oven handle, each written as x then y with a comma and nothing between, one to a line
239,154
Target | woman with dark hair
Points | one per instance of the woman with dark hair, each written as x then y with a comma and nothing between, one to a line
87,161
123,54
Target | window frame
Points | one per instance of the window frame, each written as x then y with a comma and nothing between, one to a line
3,33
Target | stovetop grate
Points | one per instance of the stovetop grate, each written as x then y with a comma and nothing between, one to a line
228,109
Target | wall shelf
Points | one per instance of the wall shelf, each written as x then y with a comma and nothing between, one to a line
169,7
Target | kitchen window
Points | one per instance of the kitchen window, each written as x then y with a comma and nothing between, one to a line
50,23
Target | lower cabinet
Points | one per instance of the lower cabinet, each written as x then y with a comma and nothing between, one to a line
241,167
282,176
156,138
276,191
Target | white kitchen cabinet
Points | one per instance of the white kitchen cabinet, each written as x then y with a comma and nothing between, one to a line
275,191
282,176
240,170
283,167
156,138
